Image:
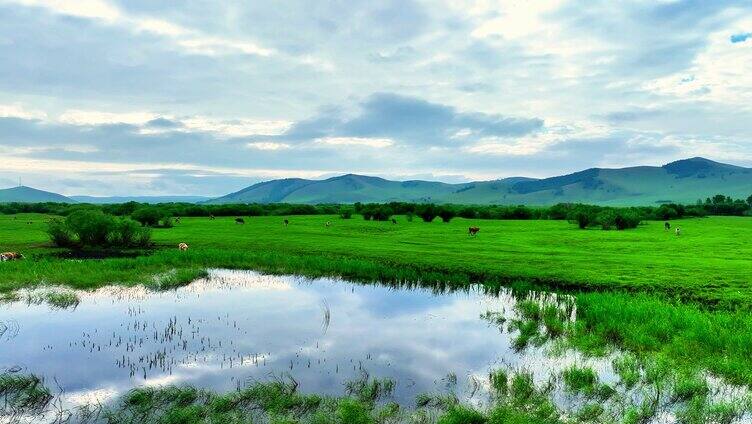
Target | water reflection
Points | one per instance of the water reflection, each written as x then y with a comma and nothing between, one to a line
233,327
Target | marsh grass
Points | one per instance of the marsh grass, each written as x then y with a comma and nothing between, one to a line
23,394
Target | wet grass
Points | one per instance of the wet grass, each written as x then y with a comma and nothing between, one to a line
22,394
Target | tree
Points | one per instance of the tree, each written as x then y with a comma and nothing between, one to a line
148,216
428,212
447,214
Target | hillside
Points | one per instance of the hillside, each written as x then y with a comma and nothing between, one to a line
31,195
140,199
682,181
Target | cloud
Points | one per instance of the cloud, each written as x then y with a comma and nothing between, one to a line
409,121
153,96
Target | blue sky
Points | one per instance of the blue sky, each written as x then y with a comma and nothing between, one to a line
117,97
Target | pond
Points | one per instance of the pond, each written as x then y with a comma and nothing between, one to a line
236,327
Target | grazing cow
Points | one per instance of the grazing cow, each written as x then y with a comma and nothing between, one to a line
473,230
394,221
182,247
328,224
10,256
239,221
678,231
286,222
667,225
211,216
30,222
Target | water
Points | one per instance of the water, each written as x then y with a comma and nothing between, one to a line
236,327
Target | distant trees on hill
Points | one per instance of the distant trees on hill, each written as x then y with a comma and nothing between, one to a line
584,216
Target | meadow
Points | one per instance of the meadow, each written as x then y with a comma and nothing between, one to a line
709,262
680,301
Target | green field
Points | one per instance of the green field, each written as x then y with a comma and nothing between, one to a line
709,262
684,300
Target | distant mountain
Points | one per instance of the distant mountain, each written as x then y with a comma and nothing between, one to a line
682,181
31,195
139,199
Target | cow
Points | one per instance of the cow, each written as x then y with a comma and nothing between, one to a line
394,221
667,225
10,256
211,216
177,220
328,224
182,247
473,231
286,222
239,221
678,231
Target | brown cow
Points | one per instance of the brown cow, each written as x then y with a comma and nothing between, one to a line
10,256
473,230
286,222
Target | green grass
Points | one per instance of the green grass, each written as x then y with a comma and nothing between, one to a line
708,263
646,290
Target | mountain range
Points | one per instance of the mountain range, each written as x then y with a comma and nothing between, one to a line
683,181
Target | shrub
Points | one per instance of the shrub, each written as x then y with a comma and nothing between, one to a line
584,217
428,213
59,233
447,214
148,216
626,219
382,213
346,213
92,228
468,213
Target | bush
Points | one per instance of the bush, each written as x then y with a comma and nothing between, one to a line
382,213
626,219
148,216
92,228
346,213
468,213
584,217
59,233
428,213
447,214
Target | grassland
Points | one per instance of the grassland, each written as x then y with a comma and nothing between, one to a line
708,263
685,299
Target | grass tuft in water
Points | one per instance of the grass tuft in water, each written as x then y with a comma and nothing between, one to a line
23,394
176,278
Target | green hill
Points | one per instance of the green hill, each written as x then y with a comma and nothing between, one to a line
682,181
97,200
31,195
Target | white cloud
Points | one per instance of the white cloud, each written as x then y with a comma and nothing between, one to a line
267,145
355,141
236,127
190,40
720,73
16,110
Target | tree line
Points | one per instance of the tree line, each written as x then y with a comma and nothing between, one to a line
126,224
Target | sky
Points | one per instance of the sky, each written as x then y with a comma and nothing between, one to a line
156,97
